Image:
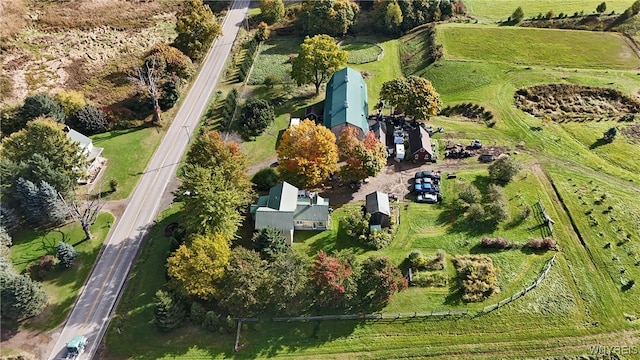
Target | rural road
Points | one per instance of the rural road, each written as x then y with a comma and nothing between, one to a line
93,309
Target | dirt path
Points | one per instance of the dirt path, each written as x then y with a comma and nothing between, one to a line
632,44
261,165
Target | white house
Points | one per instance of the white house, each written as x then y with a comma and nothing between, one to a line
90,152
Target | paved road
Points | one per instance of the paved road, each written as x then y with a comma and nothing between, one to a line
93,309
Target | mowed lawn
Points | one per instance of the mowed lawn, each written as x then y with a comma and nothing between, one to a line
62,285
500,10
527,46
127,153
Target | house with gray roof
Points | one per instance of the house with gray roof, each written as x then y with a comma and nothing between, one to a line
377,204
346,103
288,209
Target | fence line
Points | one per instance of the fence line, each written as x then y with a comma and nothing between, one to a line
412,315
520,293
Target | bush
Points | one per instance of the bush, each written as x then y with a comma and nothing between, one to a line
45,266
230,324
197,314
545,243
417,260
430,279
497,243
356,223
211,321
517,15
265,179
71,101
270,80
89,120
478,277
379,239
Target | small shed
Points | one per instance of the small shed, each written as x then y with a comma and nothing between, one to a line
377,204
294,121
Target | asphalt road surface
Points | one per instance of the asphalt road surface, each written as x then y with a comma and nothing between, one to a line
93,309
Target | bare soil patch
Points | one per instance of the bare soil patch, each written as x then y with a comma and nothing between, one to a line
12,17
566,102
632,132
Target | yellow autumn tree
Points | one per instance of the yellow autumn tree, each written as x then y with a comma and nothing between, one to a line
307,154
197,266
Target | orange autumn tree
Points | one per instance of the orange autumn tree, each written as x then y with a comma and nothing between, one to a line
307,154
363,158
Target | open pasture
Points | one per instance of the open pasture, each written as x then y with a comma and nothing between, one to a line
526,46
500,10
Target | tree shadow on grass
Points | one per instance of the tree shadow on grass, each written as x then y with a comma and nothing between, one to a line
277,337
598,143
284,45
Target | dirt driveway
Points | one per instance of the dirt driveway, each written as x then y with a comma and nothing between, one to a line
393,179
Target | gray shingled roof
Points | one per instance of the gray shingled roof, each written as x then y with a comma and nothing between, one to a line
378,202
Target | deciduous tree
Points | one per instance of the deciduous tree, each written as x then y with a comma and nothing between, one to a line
147,78
263,32
265,179
504,169
291,286
256,115
176,62
392,18
330,276
195,269
245,287
307,154
332,17
415,95
379,279
44,137
71,101
318,59
363,158
197,28
272,11
217,184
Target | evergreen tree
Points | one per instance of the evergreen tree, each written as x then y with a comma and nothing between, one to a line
66,254
270,242
168,312
39,168
8,217
54,208
89,120
30,202
20,297
41,105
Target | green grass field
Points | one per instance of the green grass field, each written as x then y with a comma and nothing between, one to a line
361,52
127,153
547,47
582,302
500,10
62,285
273,60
